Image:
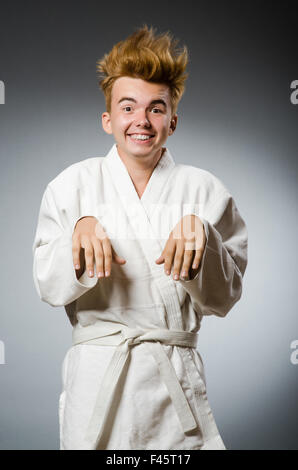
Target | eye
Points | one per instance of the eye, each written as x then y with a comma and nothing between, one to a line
125,107
157,109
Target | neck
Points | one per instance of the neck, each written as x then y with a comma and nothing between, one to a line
140,169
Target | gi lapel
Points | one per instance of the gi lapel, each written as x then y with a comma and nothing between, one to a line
139,213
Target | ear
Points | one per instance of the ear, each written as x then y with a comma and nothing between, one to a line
173,124
106,122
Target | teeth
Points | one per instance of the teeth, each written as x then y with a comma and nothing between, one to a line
140,137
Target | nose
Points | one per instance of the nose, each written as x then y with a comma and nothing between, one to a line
142,119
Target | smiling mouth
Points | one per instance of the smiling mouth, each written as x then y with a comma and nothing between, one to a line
144,138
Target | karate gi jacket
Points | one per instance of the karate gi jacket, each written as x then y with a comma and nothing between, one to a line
133,377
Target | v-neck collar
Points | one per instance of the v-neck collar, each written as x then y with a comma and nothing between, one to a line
125,184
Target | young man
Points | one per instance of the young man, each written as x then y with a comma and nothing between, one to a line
138,250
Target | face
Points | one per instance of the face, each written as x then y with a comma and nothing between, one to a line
139,108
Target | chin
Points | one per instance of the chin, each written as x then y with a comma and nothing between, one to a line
141,149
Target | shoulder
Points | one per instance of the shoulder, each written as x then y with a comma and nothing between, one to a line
76,175
202,179
73,184
204,189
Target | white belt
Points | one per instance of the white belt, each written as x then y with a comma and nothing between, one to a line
125,338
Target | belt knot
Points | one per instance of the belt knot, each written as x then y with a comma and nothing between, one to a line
133,336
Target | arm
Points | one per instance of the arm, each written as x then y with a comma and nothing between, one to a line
217,286
54,275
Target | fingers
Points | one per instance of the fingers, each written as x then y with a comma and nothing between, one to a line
181,259
160,260
89,255
78,258
117,258
186,264
76,248
178,260
186,250
173,252
91,245
197,258
107,249
104,255
168,256
99,257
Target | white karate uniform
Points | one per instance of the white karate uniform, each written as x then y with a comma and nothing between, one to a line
133,378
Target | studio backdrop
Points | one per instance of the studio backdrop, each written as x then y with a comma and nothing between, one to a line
238,119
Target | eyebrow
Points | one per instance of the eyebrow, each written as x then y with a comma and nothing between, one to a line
127,98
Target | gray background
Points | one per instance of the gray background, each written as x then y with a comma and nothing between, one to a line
235,120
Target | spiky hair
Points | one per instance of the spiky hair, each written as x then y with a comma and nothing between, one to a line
154,58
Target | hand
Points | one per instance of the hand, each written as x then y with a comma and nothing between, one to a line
90,236
185,246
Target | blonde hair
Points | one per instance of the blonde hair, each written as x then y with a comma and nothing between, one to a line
146,56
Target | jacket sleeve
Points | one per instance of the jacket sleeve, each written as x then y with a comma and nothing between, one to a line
53,270
218,284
